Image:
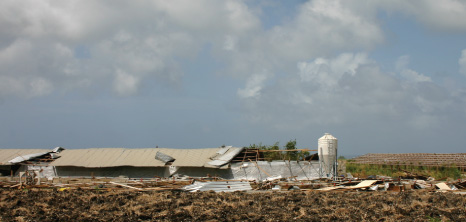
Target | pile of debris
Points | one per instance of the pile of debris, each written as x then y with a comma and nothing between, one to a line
62,184
373,183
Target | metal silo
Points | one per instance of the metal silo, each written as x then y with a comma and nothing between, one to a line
327,150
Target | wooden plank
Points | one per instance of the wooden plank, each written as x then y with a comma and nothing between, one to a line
123,185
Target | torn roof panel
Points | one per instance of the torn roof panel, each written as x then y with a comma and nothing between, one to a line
58,149
10,154
217,162
223,150
221,160
26,157
163,157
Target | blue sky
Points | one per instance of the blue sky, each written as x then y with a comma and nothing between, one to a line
381,76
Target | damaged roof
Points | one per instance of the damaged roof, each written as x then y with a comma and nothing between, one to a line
10,154
145,157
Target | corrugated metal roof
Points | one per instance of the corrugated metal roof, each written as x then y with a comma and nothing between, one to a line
108,157
112,157
191,157
9,154
22,158
225,156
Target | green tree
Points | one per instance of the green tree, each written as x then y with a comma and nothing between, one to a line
291,155
273,155
268,155
280,155
258,146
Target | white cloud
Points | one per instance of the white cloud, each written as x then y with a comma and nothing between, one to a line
322,27
40,39
253,86
327,72
125,84
346,89
442,15
413,76
402,62
25,87
230,43
208,15
28,69
409,74
462,62
40,87
436,15
319,29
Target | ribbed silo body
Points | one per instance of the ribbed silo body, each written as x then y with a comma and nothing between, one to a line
327,150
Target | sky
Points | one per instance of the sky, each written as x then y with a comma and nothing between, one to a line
385,76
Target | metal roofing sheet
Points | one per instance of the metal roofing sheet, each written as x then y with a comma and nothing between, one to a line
111,157
108,157
226,157
9,154
219,186
26,157
163,157
191,157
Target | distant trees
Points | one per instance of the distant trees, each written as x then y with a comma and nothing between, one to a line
275,154
291,155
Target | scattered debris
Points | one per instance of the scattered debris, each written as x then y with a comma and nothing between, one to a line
293,188
444,187
218,186
30,179
460,185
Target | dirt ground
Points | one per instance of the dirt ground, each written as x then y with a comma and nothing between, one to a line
101,205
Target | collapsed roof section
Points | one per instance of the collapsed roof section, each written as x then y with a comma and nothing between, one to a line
9,154
19,156
224,156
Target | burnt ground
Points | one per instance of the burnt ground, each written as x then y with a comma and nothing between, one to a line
101,205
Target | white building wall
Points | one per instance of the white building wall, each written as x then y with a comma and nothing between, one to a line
263,170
